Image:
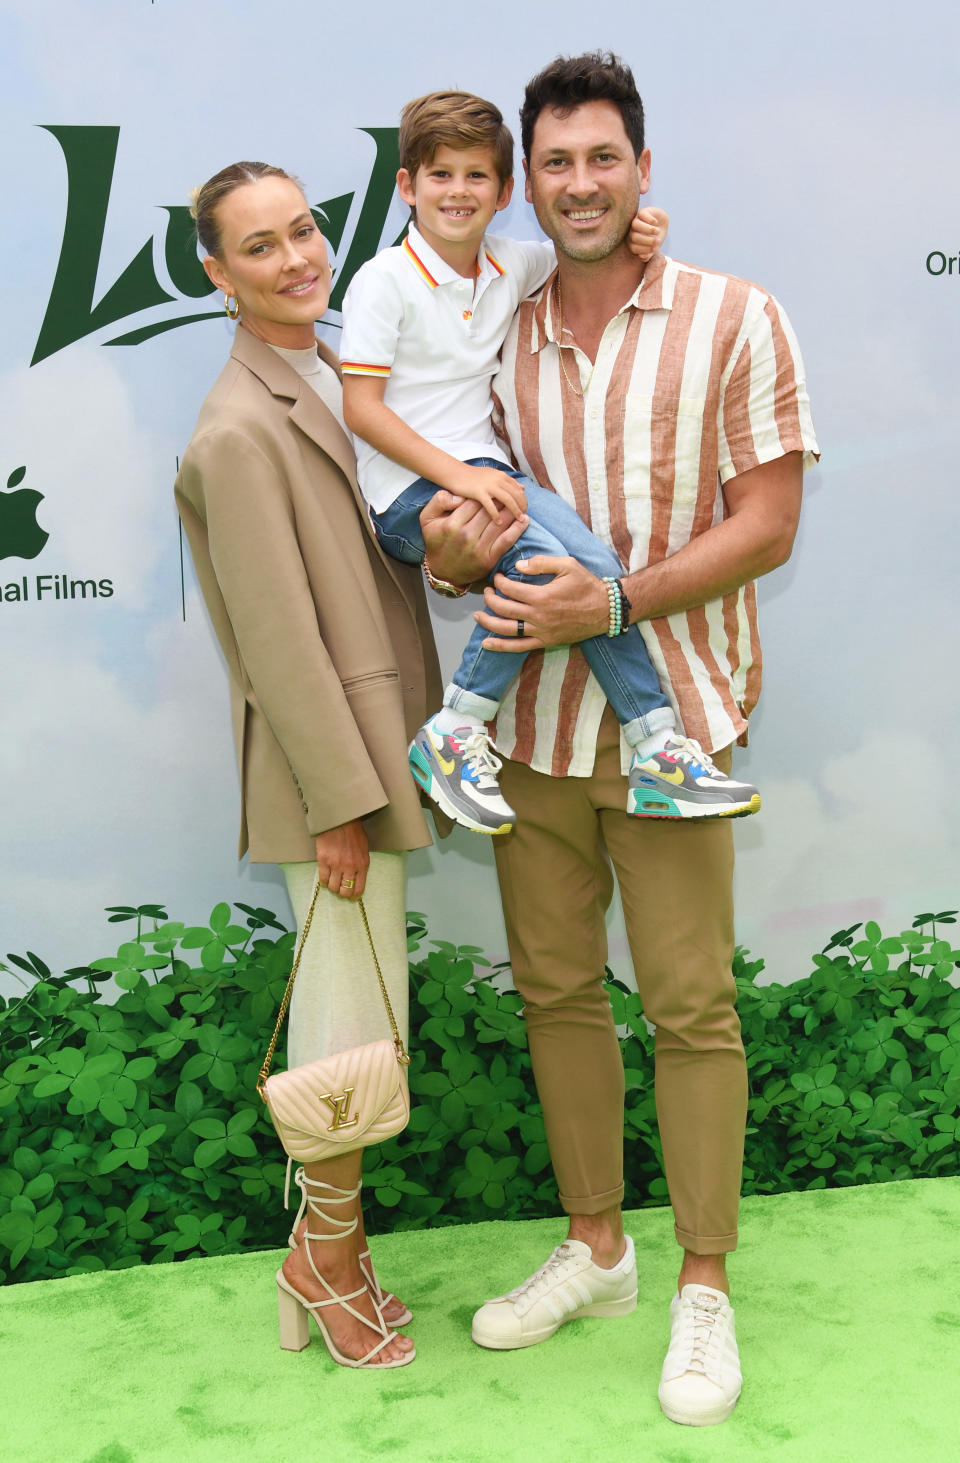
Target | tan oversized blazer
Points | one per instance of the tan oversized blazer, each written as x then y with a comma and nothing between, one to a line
328,645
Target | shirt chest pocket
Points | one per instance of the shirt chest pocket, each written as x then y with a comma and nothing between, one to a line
661,448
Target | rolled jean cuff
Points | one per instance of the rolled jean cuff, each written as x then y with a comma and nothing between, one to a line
470,703
592,1203
706,1244
661,718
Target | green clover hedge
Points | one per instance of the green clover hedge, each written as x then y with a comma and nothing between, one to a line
131,1129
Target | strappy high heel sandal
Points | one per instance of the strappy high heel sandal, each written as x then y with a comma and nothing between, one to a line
381,1298
295,1310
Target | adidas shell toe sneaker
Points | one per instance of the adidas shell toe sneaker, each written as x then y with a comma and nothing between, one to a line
566,1286
701,1378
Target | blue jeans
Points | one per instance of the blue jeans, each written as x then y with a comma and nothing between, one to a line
620,663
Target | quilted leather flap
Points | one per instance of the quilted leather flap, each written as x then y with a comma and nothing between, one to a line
341,1096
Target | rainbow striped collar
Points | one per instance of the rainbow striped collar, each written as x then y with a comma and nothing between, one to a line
423,270
418,263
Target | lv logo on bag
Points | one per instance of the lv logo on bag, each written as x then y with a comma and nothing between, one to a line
341,1106
376,1104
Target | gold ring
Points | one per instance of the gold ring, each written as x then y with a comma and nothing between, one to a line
347,883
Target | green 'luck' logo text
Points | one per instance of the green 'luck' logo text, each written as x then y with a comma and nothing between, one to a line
90,154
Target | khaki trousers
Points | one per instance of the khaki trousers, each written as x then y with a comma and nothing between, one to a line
675,884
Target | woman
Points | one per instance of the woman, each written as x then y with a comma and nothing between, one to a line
332,668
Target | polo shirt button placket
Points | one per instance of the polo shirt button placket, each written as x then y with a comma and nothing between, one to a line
465,293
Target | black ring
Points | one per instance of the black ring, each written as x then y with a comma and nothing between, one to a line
521,628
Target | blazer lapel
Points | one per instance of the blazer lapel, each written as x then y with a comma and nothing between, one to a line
308,411
314,418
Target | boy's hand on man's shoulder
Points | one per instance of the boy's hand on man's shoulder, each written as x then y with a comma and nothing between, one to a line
647,232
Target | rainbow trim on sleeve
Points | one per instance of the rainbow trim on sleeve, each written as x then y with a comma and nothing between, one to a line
364,368
418,263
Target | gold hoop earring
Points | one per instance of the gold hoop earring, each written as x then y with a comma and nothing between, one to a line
234,313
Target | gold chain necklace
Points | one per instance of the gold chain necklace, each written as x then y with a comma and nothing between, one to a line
561,348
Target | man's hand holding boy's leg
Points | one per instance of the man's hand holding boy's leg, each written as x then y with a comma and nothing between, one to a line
462,542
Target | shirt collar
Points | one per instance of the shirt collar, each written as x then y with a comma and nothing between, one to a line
654,292
435,271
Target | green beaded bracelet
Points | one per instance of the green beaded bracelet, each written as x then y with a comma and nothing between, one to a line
615,622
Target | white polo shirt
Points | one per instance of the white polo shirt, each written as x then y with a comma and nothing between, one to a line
435,338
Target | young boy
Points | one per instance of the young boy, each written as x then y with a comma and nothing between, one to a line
423,327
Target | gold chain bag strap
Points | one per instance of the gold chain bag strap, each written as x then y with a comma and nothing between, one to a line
327,1108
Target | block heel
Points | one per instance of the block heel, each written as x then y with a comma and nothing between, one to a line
294,1321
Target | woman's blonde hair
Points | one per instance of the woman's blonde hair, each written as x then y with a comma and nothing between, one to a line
205,200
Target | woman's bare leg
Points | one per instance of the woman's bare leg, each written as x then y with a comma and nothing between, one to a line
337,1260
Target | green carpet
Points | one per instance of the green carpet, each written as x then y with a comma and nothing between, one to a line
848,1314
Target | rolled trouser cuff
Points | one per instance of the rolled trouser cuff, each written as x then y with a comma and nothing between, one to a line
483,708
661,718
592,1203
706,1244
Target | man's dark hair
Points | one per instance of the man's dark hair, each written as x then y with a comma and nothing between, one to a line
597,76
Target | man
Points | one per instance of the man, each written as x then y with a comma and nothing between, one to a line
668,405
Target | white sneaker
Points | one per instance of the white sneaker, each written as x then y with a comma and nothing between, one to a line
569,1284
701,1378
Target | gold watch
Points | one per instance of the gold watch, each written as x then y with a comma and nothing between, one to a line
443,586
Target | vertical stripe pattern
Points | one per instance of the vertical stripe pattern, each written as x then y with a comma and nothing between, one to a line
697,379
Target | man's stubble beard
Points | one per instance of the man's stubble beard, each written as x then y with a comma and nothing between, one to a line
589,252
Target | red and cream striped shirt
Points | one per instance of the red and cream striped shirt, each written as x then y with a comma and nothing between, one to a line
697,379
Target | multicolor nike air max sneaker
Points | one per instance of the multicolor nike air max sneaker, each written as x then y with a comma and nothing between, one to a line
459,771
682,782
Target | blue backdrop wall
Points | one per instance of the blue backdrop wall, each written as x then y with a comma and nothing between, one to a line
812,150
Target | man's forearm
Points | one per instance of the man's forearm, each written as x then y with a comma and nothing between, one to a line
717,562
763,509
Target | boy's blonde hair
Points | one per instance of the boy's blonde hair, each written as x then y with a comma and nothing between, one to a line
453,119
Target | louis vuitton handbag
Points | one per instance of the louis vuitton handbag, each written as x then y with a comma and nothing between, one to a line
346,1101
